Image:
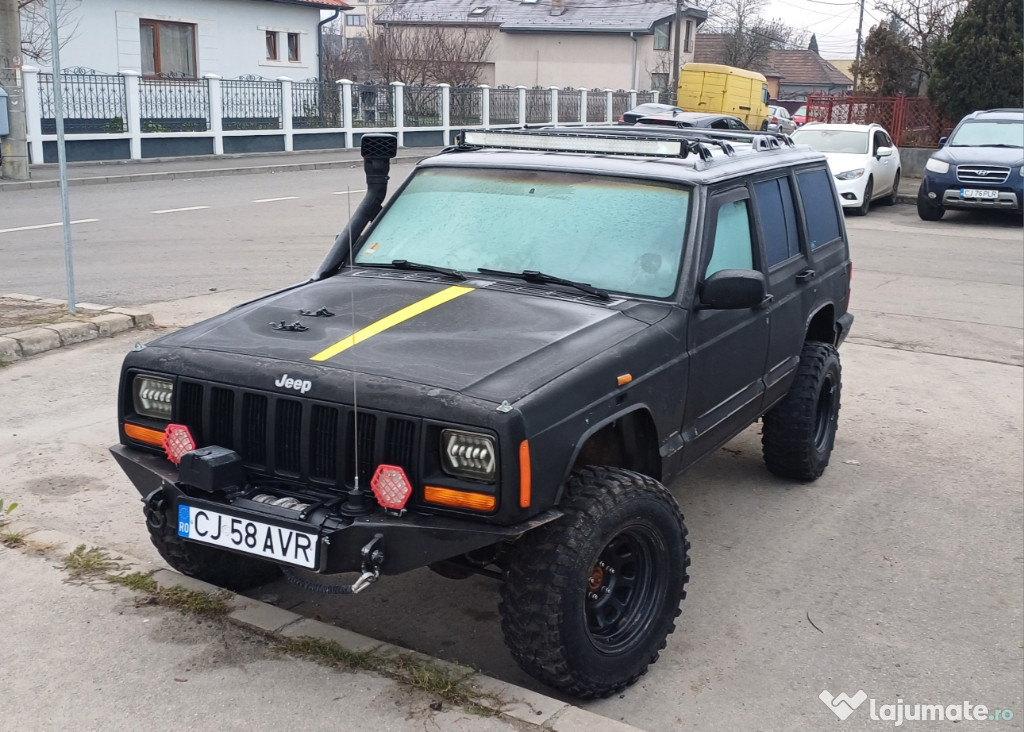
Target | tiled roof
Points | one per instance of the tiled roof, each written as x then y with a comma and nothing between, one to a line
807,67
607,16
793,67
322,4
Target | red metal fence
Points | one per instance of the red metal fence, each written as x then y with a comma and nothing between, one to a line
910,121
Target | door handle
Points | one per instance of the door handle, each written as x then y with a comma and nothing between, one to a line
806,275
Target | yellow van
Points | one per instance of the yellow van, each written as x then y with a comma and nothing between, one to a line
725,90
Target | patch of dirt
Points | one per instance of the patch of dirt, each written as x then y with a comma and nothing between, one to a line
61,486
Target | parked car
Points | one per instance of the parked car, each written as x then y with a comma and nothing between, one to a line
695,119
521,405
644,110
779,120
863,160
981,165
800,116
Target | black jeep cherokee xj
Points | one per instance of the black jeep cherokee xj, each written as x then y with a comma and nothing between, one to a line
499,370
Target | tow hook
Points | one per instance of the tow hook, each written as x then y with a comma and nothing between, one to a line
155,508
373,558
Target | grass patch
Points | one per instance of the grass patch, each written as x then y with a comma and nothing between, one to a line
12,539
91,563
432,678
138,581
194,602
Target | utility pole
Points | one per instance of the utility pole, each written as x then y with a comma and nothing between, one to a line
860,28
13,147
675,52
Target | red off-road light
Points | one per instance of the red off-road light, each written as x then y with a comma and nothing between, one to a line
391,486
177,441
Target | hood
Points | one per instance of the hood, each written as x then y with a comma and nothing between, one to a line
480,338
841,162
1013,157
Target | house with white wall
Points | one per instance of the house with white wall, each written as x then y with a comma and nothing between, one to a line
191,38
617,44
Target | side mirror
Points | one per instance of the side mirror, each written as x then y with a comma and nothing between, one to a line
942,141
734,289
884,152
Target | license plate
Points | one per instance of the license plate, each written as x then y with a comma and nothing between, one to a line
978,193
245,535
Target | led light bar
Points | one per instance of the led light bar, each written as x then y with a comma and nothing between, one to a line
569,143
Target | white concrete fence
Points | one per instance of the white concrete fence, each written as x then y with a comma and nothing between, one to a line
125,116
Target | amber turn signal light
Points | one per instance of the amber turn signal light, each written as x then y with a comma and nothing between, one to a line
459,499
144,434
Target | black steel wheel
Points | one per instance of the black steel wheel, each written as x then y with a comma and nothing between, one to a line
589,600
216,566
800,431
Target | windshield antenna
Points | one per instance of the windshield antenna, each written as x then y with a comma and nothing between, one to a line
358,502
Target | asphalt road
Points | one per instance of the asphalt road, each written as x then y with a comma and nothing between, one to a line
900,572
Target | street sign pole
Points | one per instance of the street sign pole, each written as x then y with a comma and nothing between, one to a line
58,101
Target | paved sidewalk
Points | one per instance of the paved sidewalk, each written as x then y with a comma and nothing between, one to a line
200,166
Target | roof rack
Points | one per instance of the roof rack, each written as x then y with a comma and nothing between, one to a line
586,141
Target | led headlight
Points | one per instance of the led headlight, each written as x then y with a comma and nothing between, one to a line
468,455
850,174
936,166
152,396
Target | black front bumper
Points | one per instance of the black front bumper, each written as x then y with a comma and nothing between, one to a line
410,541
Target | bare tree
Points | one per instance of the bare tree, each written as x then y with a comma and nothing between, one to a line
35,27
429,54
749,37
924,23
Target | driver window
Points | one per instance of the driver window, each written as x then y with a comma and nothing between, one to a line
732,247
879,141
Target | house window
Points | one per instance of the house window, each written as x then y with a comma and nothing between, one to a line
293,46
659,82
688,41
357,20
271,46
662,36
168,49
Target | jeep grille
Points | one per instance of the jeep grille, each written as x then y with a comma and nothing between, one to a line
990,174
297,439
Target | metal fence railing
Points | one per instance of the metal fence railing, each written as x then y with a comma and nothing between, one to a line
251,103
620,104
597,106
465,105
422,105
568,104
174,105
373,105
504,105
316,104
538,105
93,102
645,97
910,121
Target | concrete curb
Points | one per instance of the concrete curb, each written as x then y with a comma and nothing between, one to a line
198,173
517,703
105,321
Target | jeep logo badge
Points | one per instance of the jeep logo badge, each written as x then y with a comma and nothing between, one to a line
298,384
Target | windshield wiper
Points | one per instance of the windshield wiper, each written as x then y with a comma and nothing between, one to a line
416,266
535,277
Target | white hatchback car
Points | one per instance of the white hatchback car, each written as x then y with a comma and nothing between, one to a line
862,158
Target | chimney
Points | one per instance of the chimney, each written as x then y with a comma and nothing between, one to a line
557,7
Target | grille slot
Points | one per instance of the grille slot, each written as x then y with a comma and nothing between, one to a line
288,436
990,174
222,418
366,437
254,428
323,443
400,443
190,409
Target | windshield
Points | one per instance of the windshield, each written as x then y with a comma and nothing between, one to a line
980,134
614,233
835,141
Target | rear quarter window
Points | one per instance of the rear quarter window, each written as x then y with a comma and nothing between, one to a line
819,206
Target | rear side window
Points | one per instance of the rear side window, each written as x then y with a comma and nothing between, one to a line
819,206
732,248
778,219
